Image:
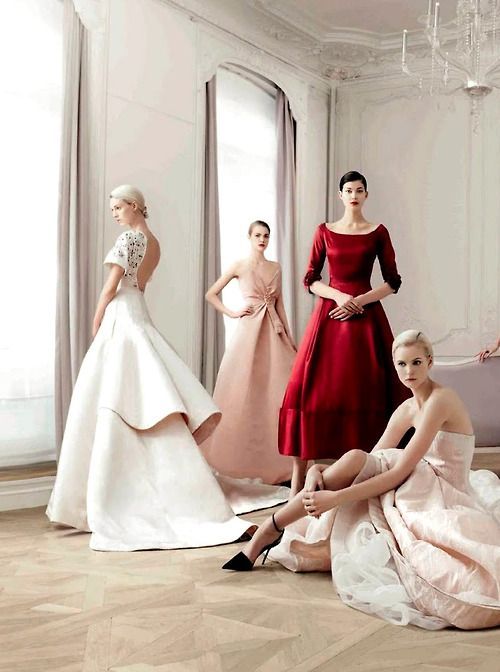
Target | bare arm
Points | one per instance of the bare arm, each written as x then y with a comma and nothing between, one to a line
434,416
376,294
488,350
212,294
398,425
342,313
107,294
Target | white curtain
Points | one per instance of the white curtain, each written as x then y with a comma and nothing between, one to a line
73,318
30,104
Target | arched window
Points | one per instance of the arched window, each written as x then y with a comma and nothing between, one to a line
247,155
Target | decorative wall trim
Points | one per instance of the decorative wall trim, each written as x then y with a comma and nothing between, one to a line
20,460
25,494
469,210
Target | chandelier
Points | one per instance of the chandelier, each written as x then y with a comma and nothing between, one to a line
468,47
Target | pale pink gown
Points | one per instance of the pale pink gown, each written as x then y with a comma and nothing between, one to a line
427,553
250,385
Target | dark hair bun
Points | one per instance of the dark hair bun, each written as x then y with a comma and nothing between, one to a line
352,176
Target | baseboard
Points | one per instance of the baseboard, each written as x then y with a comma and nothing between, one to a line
25,494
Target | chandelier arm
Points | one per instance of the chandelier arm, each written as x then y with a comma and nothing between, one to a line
491,70
456,64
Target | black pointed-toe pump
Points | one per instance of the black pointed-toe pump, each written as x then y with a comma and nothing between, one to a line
240,562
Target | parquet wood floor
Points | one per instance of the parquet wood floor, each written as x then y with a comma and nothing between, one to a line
65,608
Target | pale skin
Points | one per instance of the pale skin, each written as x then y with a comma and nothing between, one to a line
127,214
259,240
431,408
353,197
488,350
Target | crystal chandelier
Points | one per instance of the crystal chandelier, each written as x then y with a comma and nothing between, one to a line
468,47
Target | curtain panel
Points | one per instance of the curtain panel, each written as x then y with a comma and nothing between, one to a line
73,311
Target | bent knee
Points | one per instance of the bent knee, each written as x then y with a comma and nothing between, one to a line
356,456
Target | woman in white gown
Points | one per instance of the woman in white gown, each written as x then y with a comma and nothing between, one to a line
410,535
130,470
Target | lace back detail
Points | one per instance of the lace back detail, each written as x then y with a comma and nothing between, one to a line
128,252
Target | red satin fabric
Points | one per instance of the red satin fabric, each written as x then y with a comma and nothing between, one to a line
343,387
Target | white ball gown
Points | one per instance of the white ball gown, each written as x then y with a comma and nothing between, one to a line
130,471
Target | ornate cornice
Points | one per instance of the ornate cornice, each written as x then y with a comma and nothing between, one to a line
279,29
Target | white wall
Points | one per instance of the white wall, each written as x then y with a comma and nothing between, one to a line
158,62
434,184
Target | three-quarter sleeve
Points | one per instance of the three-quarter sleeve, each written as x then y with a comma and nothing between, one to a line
118,254
316,259
387,259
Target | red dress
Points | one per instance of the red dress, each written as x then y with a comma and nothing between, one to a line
343,387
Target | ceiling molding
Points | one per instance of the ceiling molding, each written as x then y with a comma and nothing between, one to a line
296,37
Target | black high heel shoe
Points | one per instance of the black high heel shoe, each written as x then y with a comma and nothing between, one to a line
240,562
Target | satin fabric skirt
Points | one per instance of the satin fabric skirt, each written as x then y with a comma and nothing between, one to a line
427,553
343,387
130,471
250,385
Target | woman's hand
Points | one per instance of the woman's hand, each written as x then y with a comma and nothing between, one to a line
488,350
95,329
314,479
248,310
316,503
347,306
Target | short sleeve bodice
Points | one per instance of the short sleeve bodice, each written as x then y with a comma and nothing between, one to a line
128,252
351,258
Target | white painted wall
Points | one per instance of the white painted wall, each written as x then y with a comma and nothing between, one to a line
158,62
434,184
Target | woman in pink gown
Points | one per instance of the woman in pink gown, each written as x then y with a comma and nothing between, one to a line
254,371
410,535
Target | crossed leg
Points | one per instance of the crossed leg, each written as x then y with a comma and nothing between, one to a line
335,477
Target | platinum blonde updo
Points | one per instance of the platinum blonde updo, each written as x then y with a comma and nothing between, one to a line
130,194
413,337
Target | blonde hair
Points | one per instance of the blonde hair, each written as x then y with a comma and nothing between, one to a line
130,194
412,337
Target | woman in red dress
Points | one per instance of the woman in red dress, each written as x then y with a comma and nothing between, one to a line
343,389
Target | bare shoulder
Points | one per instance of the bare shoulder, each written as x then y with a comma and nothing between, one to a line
405,412
446,402
444,396
236,268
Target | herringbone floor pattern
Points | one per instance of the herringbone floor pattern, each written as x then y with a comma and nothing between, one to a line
65,608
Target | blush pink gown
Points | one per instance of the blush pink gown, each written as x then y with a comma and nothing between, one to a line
427,553
250,386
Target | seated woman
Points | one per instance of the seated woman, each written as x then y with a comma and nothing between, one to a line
405,535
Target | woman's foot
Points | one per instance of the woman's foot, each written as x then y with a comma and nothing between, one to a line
267,536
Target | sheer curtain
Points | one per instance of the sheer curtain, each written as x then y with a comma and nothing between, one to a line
213,326
247,165
30,101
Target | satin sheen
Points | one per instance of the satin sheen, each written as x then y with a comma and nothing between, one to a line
427,553
343,387
250,385
130,470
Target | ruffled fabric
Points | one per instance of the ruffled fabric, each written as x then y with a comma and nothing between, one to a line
130,471
366,579
427,553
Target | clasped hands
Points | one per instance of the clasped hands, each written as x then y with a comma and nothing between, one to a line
316,500
347,306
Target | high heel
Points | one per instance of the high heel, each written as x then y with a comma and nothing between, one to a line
240,562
